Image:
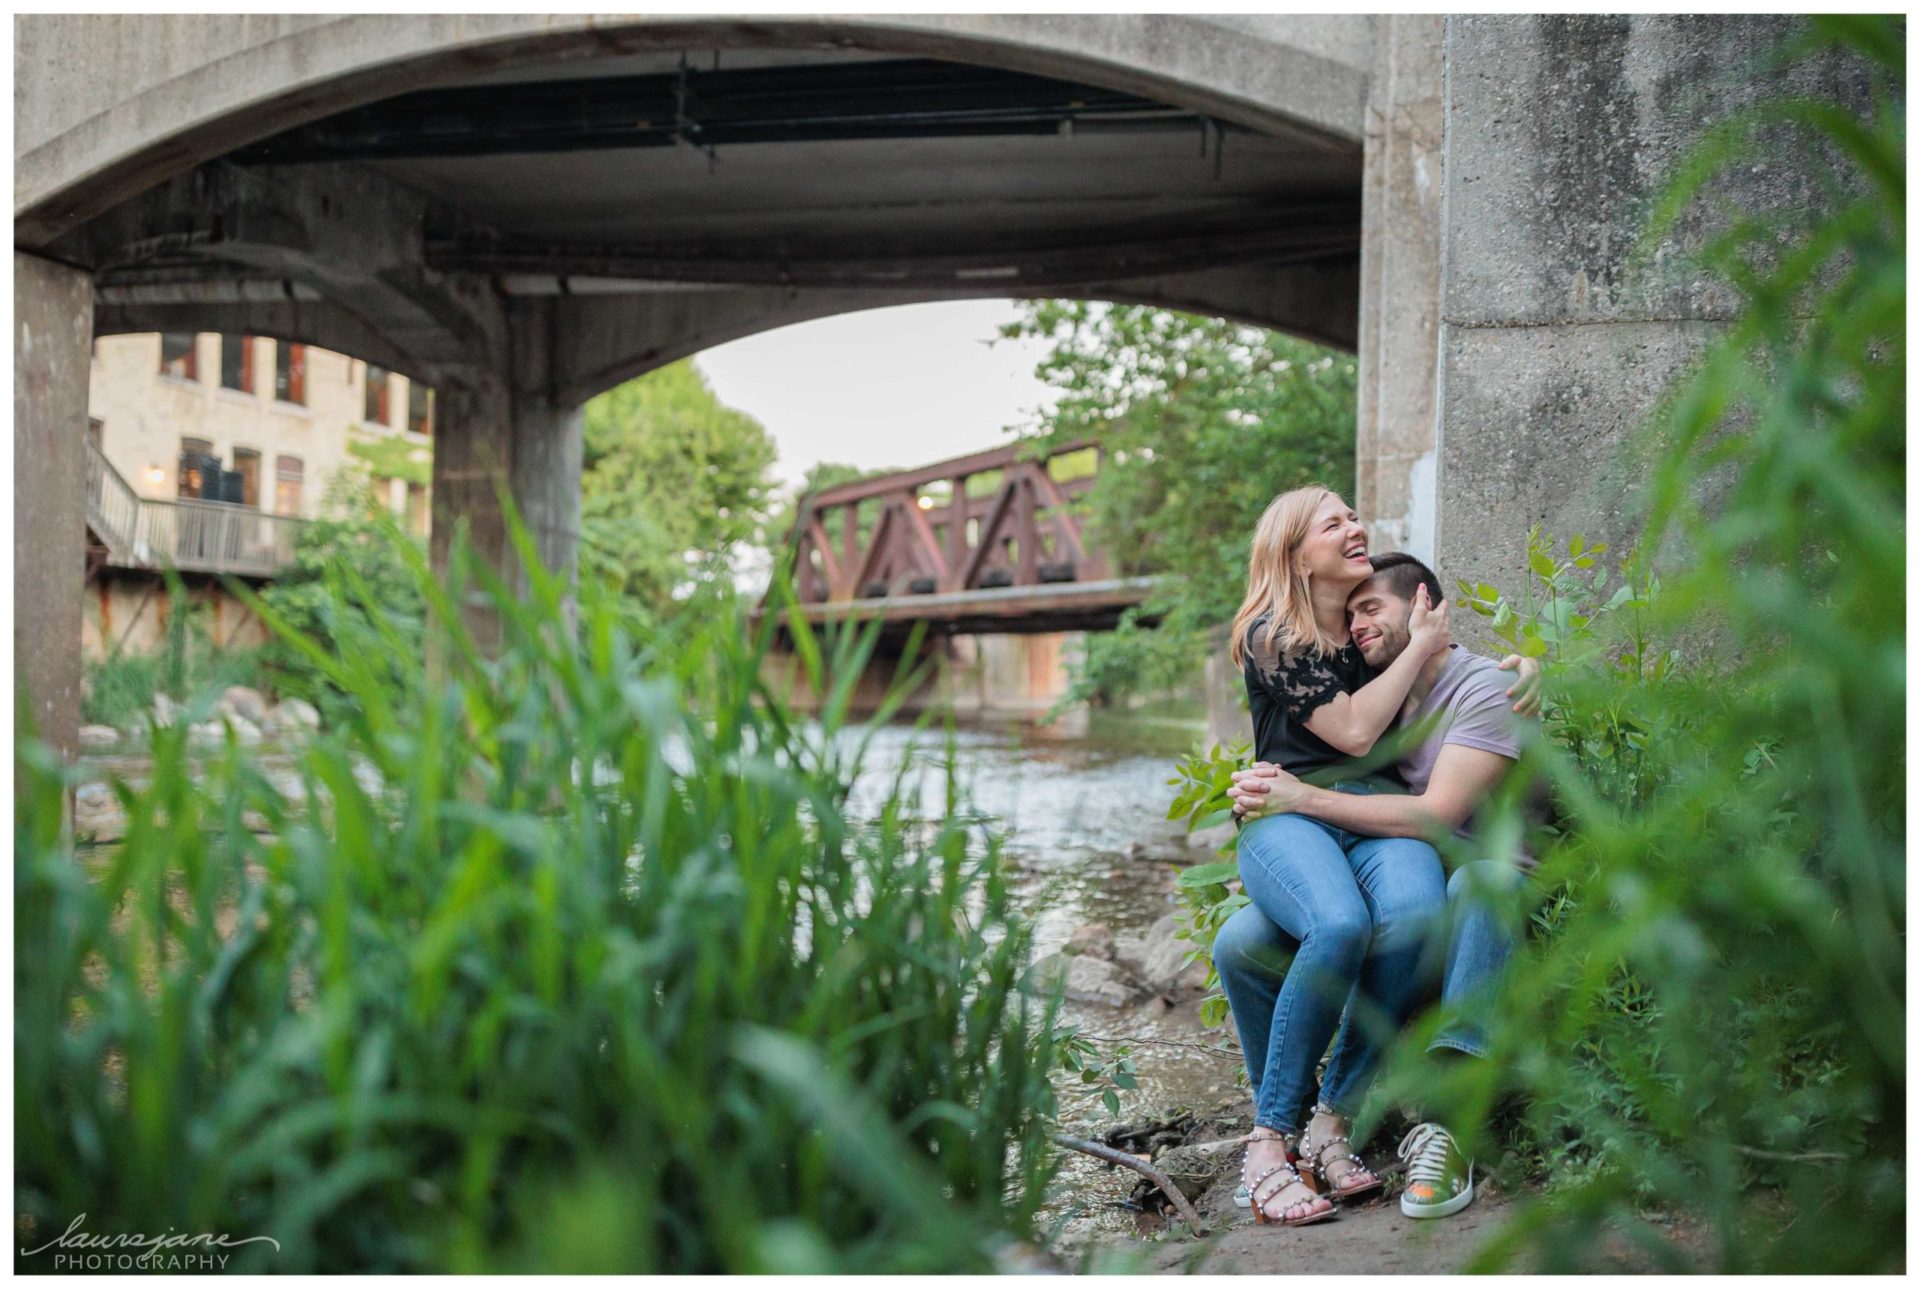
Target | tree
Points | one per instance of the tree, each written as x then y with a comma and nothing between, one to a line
350,589
1203,422
675,482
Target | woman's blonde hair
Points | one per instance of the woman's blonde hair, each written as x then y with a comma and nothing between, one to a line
1277,586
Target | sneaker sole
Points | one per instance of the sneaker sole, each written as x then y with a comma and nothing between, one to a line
1446,1208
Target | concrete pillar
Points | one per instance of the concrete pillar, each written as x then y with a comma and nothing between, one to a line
1558,334
508,428
1400,253
52,346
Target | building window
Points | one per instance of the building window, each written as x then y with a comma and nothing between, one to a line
290,373
176,355
198,467
236,363
96,429
419,408
288,476
379,395
246,463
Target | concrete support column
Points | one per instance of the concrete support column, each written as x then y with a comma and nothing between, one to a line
506,427
52,344
1560,331
1400,268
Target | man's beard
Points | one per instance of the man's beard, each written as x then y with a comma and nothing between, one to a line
1389,647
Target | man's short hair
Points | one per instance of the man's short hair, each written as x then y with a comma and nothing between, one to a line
1403,574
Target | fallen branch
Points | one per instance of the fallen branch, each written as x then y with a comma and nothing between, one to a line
1146,1170
1788,1157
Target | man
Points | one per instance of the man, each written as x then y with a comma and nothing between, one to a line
1468,739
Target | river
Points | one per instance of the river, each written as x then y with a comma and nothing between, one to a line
1082,804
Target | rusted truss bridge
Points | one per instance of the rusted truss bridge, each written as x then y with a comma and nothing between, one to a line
983,544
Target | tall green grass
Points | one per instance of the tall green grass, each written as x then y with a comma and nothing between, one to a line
571,958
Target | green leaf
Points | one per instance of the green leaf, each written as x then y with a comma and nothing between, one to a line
1209,874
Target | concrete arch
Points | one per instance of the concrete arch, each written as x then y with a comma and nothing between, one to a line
111,106
633,335
302,322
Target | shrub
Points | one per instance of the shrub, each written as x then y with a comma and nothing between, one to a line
354,555
571,960
188,666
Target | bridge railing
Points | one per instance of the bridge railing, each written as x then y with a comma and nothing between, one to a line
927,531
192,536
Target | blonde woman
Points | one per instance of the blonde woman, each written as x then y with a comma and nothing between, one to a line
1359,907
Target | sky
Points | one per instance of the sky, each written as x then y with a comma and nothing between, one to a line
887,388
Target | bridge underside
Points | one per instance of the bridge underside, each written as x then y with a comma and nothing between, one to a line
524,240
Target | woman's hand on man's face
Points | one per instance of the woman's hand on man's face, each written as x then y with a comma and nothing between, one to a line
1427,629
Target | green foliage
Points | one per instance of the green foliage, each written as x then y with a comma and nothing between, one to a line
673,484
1710,1018
566,957
354,555
1110,1071
121,687
1202,421
1202,778
393,457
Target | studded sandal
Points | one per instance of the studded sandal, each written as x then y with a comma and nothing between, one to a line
1261,1193
1316,1156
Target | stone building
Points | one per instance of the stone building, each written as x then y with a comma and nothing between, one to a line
207,451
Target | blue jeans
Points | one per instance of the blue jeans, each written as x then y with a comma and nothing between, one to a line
1481,939
1362,911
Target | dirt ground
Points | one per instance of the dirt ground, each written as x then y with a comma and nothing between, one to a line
1370,1237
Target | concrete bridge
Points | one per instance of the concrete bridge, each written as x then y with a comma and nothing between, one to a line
525,210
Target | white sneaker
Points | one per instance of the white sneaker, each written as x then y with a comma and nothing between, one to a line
1439,1177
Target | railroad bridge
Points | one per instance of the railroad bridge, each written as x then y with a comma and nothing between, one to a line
523,210
991,543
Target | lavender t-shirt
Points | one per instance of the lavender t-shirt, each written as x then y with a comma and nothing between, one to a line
1468,705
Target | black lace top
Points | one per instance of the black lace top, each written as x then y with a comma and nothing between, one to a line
1284,691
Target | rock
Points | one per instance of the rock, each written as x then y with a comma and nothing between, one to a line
1195,1169
1086,980
1095,940
1134,850
92,795
165,711
244,730
241,701
1211,839
294,716
1158,957
207,734
98,736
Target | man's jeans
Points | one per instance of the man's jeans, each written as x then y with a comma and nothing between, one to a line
1360,910
1252,955
1481,939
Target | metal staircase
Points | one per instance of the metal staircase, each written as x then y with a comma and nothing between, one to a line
192,536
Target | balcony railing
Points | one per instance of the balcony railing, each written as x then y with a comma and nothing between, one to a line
192,536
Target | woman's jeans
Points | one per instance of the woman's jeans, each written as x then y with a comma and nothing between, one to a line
1363,911
1252,956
